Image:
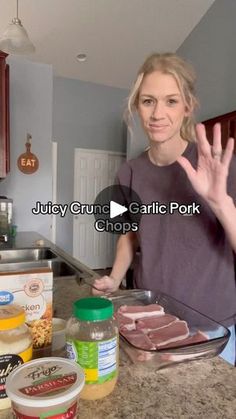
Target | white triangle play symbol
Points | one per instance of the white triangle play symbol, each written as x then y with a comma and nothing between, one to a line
116,209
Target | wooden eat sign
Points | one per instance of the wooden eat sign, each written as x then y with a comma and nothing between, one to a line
27,162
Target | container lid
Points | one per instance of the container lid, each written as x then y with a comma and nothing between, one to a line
93,309
11,316
45,382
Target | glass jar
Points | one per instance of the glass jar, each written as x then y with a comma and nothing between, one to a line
15,345
92,340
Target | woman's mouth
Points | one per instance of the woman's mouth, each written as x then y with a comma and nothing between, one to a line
154,127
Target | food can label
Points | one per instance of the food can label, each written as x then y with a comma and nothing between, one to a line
70,413
98,359
8,363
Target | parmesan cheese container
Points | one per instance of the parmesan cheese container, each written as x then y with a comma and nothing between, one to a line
33,291
15,345
46,388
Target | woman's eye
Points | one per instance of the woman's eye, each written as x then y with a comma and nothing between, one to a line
147,101
172,101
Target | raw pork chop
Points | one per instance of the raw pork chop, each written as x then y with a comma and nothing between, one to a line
138,338
197,338
137,312
147,324
124,323
176,331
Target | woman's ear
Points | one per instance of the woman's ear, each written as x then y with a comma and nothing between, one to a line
188,110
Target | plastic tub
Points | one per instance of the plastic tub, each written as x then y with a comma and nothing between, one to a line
46,388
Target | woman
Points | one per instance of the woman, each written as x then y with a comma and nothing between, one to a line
189,257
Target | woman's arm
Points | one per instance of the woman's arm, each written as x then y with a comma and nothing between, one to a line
226,214
125,251
210,178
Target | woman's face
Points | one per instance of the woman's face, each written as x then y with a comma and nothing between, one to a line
161,107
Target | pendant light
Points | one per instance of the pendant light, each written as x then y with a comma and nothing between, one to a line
15,39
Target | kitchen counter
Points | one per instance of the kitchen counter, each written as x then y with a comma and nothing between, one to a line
197,390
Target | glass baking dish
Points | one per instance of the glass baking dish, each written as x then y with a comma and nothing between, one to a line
217,334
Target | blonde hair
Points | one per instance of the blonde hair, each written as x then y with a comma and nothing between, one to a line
183,72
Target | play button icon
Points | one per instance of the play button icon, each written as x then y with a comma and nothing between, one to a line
116,209
113,213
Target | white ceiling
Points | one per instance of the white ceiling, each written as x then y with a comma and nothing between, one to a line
116,35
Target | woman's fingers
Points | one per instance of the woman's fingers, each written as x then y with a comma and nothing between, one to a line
204,147
188,168
99,286
228,152
216,150
95,291
103,285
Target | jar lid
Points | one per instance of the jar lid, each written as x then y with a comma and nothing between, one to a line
45,382
93,309
11,316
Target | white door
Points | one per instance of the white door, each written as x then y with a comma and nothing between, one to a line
94,171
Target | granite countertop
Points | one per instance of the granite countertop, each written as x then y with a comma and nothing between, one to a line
197,390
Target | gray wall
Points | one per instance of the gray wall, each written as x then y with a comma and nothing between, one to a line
85,115
30,111
211,49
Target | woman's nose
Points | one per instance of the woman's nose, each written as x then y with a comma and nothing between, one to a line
157,111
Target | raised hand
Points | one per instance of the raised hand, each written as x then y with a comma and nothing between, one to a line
210,177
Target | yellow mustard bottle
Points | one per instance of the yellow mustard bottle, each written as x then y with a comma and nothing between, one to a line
93,342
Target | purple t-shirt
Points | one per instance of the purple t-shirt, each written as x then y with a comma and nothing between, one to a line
185,256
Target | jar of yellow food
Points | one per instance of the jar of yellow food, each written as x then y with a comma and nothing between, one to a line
15,345
92,340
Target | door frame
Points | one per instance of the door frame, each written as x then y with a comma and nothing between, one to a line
54,189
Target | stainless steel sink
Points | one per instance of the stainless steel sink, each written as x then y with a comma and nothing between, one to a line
59,267
26,255
31,258
22,266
